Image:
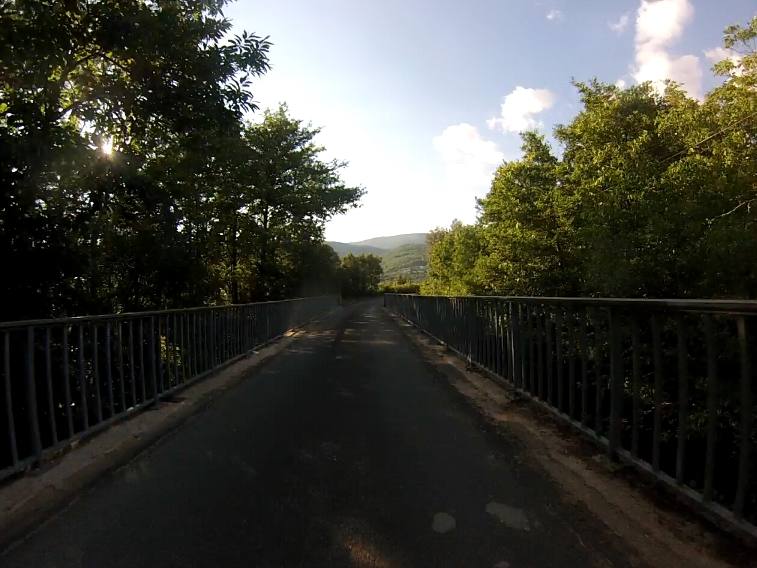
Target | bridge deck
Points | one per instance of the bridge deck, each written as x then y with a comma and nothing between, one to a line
346,449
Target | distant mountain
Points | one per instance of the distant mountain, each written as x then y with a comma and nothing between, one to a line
343,249
401,255
394,241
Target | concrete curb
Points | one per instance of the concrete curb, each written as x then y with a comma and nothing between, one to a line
29,500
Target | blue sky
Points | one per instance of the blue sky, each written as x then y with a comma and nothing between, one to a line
425,98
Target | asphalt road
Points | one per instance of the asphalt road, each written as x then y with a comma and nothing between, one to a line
347,449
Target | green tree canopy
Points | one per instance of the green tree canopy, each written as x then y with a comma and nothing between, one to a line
651,197
360,274
130,180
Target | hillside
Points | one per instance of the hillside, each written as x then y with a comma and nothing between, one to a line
401,255
406,260
343,249
394,241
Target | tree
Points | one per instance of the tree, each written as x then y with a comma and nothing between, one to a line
453,259
130,179
273,220
360,275
523,222
652,197
157,83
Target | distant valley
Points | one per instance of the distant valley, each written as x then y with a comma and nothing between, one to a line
401,255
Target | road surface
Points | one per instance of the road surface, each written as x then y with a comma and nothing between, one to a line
347,449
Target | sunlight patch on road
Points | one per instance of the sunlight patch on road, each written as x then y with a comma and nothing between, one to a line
510,516
443,523
363,546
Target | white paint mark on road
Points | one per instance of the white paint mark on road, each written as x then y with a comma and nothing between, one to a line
443,523
510,516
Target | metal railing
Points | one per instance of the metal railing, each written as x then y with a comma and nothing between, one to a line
664,385
66,378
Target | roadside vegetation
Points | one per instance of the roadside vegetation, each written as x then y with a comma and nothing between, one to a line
650,195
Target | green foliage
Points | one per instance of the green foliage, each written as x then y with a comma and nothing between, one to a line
652,197
176,214
523,226
360,275
272,222
453,256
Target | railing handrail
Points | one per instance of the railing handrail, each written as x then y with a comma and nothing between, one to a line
726,306
143,314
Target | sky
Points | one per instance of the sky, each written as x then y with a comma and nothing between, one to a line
425,98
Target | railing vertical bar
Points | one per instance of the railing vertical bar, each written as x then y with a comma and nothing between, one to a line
49,385
559,357
549,355
540,352
108,370
164,369
132,365
205,339
512,326
616,384
212,330
635,387
658,383
571,329
712,419
599,392
226,331
582,339
175,348
83,381
31,395
195,346
10,419
183,347
521,339
96,373
121,374
67,382
683,400
142,373
240,331
530,315
745,433
155,359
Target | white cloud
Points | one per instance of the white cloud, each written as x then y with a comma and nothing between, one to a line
718,54
620,26
519,108
553,15
620,83
659,23
467,156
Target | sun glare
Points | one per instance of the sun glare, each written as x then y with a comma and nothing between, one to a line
106,147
